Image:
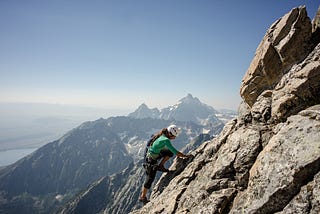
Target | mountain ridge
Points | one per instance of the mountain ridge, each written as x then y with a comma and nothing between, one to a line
267,160
57,171
188,108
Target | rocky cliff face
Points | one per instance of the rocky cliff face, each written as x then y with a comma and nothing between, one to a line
268,159
118,193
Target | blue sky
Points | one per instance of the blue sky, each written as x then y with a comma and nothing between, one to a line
121,53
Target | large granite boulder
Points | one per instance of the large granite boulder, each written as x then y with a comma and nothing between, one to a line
275,54
268,159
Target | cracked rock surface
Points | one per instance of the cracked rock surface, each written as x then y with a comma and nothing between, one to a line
268,159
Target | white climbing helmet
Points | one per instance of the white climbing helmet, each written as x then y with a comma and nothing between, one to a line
174,130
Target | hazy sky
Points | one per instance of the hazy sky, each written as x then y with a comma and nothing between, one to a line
122,53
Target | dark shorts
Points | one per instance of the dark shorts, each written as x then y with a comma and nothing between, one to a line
151,167
165,152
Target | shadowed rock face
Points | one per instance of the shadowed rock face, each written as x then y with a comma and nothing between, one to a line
287,42
268,159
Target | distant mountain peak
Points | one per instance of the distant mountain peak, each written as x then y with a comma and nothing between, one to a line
189,99
189,108
189,96
143,111
143,106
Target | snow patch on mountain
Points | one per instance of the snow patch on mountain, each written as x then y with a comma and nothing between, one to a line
187,109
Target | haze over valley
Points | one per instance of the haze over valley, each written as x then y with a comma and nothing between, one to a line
25,127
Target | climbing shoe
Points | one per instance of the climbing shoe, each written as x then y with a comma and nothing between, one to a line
144,200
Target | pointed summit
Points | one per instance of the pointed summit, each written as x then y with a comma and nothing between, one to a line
143,111
189,99
143,106
190,108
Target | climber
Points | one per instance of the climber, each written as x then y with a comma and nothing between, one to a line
160,148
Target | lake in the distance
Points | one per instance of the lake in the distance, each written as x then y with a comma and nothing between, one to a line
10,156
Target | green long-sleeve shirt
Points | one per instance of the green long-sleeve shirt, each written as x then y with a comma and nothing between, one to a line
160,144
